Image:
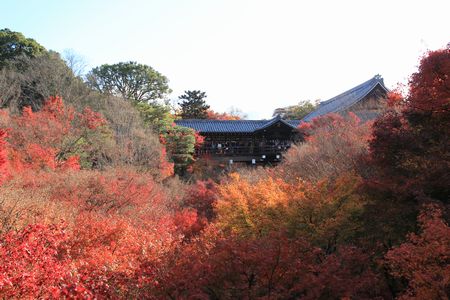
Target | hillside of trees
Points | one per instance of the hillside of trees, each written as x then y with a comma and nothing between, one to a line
101,195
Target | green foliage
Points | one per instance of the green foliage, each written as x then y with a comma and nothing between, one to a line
193,105
155,115
180,143
129,80
295,112
15,44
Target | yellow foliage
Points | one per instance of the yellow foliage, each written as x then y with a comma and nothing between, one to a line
323,212
251,208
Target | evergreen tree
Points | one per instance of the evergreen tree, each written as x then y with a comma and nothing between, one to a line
193,105
14,44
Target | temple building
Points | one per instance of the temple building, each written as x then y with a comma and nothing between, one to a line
265,141
251,141
366,100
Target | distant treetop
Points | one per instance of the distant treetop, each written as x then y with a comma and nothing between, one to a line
295,112
129,80
193,105
14,44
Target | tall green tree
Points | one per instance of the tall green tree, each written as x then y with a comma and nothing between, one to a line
129,80
14,44
180,144
193,105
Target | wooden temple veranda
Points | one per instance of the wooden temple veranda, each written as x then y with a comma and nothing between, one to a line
265,141
250,141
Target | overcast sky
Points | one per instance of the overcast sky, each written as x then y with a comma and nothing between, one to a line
254,55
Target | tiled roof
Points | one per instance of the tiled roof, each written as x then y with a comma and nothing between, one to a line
335,104
346,99
293,123
233,126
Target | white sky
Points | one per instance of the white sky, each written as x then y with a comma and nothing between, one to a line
254,55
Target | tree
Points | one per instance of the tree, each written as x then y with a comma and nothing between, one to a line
56,137
29,81
75,62
423,260
180,144
193,105
155,115
201,196
29,74
408,154
14,44
271,267
129,80
232,114
410,145
212,115
32,263
137,143
324,213
333,145
295,112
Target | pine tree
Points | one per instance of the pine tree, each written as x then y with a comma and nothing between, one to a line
193,105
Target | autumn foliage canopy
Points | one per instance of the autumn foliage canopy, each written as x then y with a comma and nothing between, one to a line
356,211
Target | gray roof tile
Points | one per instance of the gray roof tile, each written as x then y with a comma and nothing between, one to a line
346,99
232,126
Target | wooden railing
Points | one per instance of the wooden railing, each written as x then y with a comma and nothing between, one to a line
242,150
